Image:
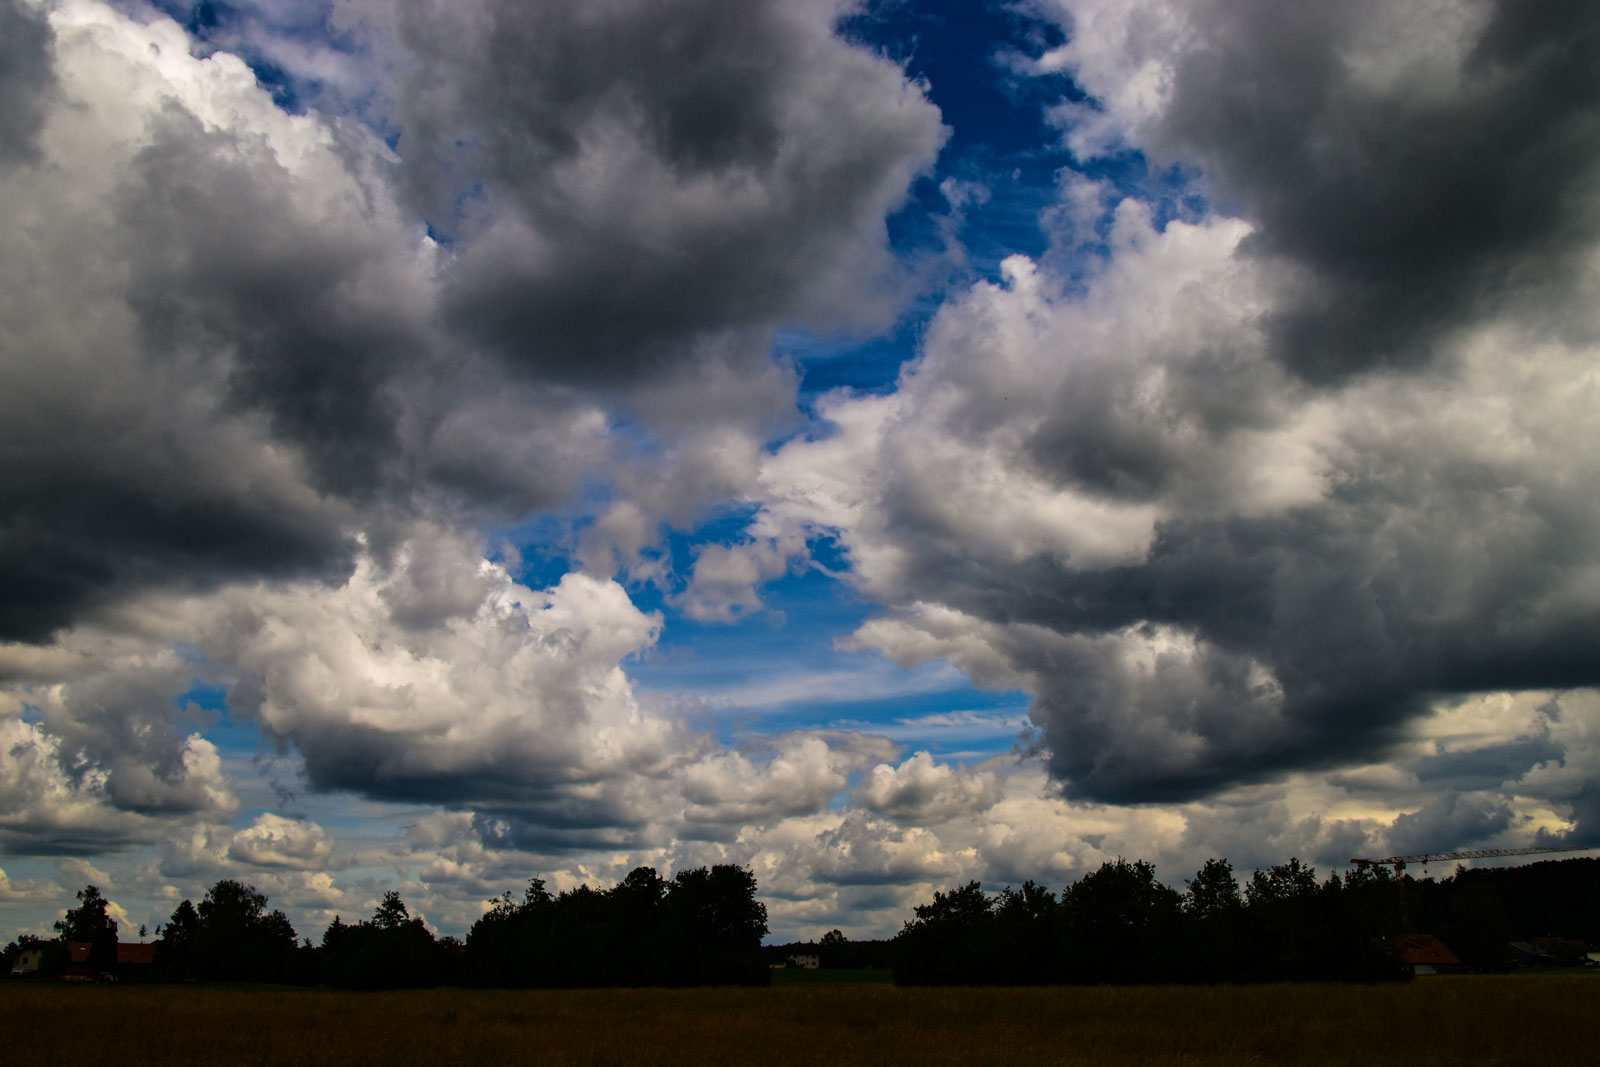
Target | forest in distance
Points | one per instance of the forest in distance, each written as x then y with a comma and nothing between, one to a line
1117,925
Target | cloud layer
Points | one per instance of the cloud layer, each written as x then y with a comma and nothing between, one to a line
1260,488
1266,480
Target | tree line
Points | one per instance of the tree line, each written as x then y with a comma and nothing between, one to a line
1119,924
704,926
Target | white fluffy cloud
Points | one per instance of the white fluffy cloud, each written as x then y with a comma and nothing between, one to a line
922,791
273,841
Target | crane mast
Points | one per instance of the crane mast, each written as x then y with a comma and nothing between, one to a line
1399,862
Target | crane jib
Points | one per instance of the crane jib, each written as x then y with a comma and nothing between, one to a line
1399,862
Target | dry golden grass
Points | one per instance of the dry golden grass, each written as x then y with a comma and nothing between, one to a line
1443,1020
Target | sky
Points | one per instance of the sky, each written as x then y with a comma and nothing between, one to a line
884,444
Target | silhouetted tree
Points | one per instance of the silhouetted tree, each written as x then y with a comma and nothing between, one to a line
1025,925
1214,910
1282,910
950,942
1120,924
90,922
715,922
232,937
703,927
390,951
1476,928
177,944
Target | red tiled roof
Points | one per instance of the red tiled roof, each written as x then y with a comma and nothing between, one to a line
78,951
136,953
1421,948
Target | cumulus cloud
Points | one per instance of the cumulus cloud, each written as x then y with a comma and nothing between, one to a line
921,791
273,841
802,774
1270,497
15,890
652,175
1418,164
169,195
58,801
1212,550
26,78
232,347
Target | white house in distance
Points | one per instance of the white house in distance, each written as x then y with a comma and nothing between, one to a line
28,962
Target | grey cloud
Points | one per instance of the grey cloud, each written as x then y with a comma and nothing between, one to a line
124,470
1322,634
1449,822
57,799
654,175
1487,768
1206,570
230,350
27,78
1586,818
1411,208
174,416
863,851
225,262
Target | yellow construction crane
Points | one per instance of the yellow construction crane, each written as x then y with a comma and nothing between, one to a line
1399,862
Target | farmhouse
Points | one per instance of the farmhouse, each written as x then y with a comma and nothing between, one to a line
78,968
133,960
28,962
1427,955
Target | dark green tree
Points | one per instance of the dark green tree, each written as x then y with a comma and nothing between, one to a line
392,913
178,944
950,941
1120,924
392,950
90,922
703,927
237,939
1025,923
1284,923
714,919
1214,913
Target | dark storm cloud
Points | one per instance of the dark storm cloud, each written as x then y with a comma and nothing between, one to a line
86,519
1585,832
1361,613
655,172
1411,208
1447,823
1487,768
169,456
291,374
223,263
27,77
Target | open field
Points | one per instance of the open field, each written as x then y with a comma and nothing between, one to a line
787,977
1443,1020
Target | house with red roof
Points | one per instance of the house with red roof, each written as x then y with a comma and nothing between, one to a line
1426,954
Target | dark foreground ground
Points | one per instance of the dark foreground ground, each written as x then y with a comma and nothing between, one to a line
1458,1020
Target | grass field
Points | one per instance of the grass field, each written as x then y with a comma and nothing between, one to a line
1444,1020
789,977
